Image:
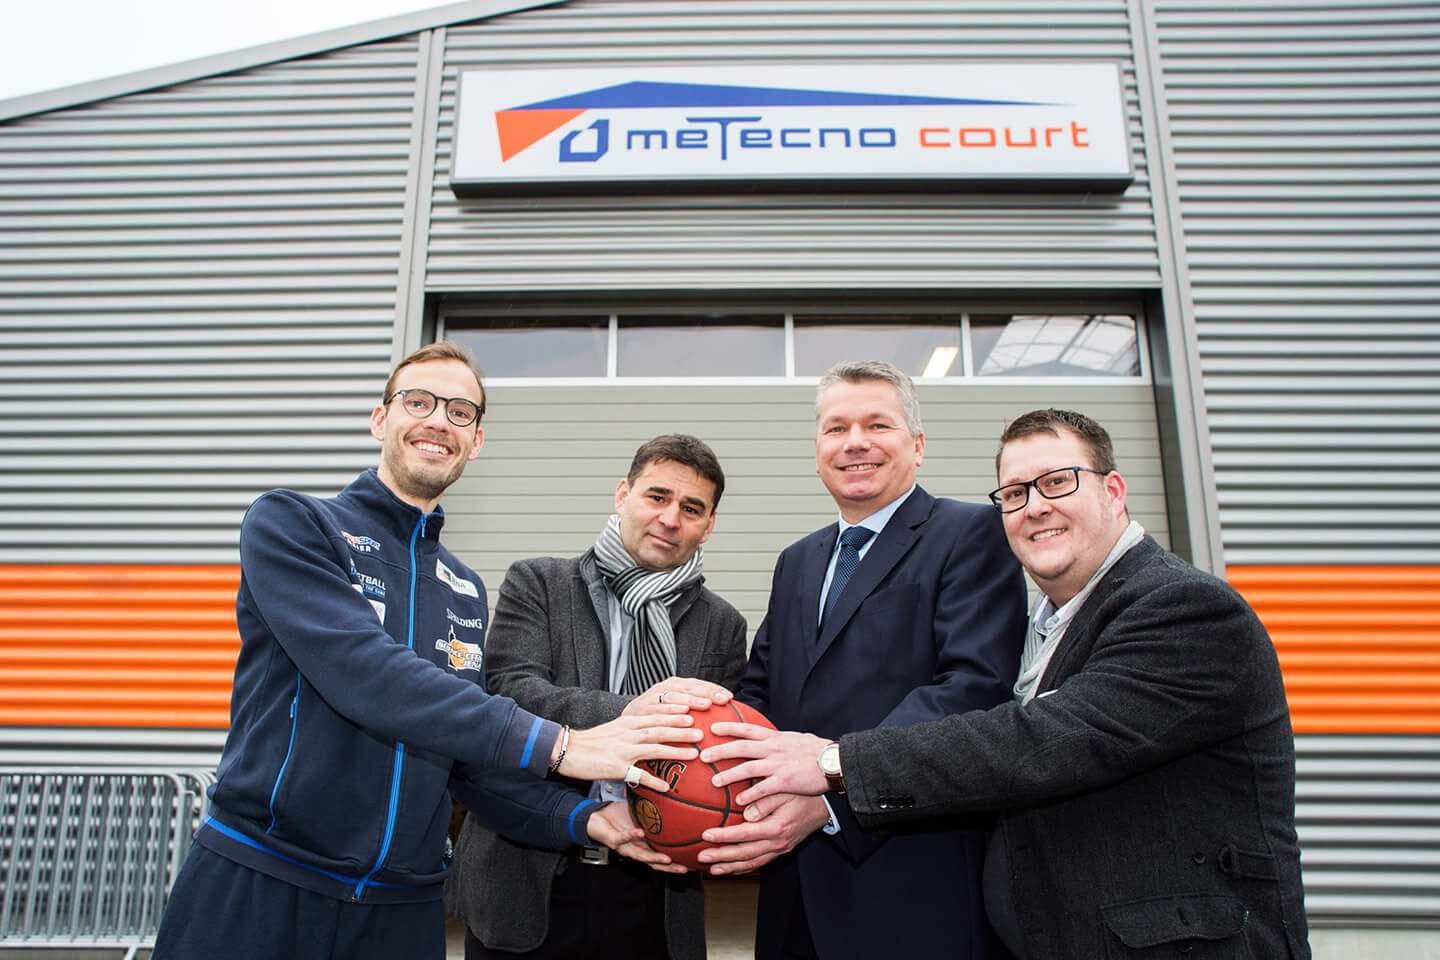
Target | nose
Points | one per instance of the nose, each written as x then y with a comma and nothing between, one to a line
856,438
670,516
1036,506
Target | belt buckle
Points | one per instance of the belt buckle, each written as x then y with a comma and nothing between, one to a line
594,856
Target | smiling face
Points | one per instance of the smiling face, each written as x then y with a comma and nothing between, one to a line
420,458
665,514
864,453
1061,543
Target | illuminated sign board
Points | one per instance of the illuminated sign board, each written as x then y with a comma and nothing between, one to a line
1044,125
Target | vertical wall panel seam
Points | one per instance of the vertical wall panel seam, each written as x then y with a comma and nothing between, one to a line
1196,467
408,332
413,225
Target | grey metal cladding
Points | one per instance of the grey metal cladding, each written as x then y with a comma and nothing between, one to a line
786,241
545,480
1368,812
197,298
1307,152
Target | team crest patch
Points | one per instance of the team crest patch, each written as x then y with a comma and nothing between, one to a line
361,544
458,584
462,656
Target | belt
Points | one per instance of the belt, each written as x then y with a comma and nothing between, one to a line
592,856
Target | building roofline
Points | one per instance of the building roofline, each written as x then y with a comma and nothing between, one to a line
267,53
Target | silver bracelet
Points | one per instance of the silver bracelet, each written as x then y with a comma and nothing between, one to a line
564,745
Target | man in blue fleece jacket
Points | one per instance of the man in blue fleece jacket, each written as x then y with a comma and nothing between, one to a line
359,706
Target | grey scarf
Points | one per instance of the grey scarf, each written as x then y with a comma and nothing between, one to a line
646,595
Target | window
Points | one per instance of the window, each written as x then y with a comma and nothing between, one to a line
641,344
921,346
716,346
537,346
1055,345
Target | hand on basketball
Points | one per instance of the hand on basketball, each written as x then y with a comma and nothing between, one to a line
611,750
677,695
781,761
773,827
613,826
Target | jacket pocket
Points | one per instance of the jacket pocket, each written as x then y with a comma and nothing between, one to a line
1194,926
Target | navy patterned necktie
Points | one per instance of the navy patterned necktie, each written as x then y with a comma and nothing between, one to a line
850,543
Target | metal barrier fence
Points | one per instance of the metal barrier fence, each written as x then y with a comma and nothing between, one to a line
88,855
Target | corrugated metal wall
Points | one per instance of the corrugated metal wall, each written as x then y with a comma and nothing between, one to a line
1306,150
928,239
545,481
197,301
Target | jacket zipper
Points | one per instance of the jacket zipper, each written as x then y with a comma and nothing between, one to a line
399,767
289,750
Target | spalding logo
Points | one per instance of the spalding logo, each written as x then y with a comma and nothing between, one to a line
668,770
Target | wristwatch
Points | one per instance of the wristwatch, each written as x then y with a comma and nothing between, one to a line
830,766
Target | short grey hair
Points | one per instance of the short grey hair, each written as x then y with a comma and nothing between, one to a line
860,371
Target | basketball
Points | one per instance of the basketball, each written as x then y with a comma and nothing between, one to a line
674,821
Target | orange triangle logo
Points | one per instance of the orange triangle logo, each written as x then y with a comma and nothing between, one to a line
520,128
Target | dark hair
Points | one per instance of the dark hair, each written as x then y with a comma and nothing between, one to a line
683,449
1096,440
439,350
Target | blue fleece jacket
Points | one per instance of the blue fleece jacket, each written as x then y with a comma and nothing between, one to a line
359,702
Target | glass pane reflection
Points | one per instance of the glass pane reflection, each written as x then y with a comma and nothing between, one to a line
728,346
921,346
1055,345
533,347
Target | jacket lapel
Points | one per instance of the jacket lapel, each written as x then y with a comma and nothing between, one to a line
812,577
893,543
1075,643
591,608
690,638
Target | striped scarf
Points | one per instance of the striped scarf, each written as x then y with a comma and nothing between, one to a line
646,595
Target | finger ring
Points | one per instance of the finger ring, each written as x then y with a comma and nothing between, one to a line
632,776
662,698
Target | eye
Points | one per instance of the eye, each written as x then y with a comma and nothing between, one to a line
1013,494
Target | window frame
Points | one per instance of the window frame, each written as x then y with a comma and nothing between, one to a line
461,310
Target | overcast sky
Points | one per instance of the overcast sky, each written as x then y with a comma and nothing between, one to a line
45,44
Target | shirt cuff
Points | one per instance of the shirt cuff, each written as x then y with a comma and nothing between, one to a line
833,827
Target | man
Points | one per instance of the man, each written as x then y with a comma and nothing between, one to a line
907,609
1145,768
357,701
583,641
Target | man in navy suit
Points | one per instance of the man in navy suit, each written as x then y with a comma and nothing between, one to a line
908,609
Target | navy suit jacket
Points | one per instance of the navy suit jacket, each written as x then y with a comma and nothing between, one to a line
931,624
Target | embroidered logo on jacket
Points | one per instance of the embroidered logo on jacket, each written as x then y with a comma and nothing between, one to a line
377,605
459,585
462,656
361,544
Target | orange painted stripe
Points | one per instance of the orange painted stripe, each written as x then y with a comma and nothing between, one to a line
117,646
155,646
1359,645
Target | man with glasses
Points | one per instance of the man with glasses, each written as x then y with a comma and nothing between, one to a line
359,706
1144,773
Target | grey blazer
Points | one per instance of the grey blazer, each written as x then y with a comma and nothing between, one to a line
1147,794
548,649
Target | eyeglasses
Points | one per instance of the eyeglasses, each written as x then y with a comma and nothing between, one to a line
421,403
1052,486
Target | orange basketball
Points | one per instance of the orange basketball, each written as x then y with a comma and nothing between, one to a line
674,821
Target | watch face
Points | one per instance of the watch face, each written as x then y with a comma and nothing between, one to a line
830,760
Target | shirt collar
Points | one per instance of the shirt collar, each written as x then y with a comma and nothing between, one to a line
877,520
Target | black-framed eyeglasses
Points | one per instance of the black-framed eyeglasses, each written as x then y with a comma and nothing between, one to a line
421,403
1052,486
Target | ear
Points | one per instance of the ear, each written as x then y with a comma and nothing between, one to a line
1115,489
709,527
919,449
622,490
479,442
377,422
